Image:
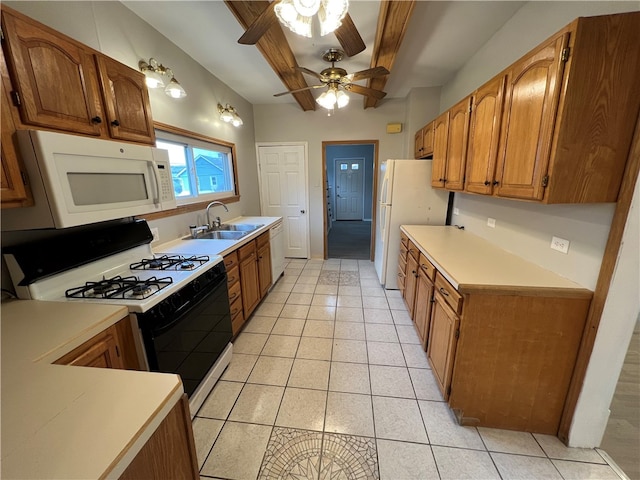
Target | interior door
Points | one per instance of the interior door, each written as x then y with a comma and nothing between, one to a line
283,193
349,188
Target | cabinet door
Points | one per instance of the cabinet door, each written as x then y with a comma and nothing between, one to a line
440,138
457,145
264,269
101,351
55,78
410,284
417,145
442,343
13,189
422,316
484,134
427,139
531,102
250,284
126,101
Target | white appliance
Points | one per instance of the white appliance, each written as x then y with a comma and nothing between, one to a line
277,251
406,198
78,180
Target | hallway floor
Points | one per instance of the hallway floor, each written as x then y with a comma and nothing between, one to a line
349,239
328,381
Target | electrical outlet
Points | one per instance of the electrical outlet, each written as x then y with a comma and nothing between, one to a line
456,211
156,234
560,244
491,222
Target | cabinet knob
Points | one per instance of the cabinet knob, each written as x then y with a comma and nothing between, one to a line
442,180
444,292
487,182
96,120
115,123
496,182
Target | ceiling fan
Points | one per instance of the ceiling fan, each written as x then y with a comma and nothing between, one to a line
337,79
347,33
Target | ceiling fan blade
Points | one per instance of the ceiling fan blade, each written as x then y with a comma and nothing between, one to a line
369,92
259,26
369,73
310,72
299,90
349,38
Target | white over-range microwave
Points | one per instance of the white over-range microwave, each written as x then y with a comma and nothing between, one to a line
80,180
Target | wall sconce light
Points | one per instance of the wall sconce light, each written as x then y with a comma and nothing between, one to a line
158,76
229,114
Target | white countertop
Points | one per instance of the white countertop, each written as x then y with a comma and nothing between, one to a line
69,422
188,245
470,262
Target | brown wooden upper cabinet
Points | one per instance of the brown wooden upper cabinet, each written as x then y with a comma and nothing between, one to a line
484,134
61,84
418,146
427,139
451,131
566,116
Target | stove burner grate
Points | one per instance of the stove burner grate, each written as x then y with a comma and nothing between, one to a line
170,262
120,288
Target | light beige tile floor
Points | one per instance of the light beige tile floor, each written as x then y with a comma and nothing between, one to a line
329,380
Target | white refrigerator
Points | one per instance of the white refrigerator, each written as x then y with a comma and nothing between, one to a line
406,198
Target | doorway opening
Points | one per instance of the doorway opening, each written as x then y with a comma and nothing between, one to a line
350,185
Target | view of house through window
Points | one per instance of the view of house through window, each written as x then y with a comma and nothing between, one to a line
200,170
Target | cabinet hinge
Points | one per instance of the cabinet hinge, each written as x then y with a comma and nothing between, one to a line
15,96
458,333
565,54
25,180
117,351
545,180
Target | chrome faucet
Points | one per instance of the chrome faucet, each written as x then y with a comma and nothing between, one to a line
216,223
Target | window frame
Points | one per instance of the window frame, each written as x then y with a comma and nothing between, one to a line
185,207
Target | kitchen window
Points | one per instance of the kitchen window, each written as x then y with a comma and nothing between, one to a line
202,168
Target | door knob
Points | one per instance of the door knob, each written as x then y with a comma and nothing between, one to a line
302,211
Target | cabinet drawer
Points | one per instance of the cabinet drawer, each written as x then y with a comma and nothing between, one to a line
237,321
402,263
404,240
231,260
401,278
247,250
235,292
262,239
427,267
403,251
236,308
233,276
450,294
413,250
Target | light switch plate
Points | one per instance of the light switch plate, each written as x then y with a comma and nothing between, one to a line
560,244
491,222
156,234
456,211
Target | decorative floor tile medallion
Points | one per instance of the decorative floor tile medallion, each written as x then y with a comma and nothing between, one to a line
329,277
303,455
347,457
292,455
351,279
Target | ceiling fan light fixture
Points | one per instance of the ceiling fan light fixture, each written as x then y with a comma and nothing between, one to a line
330,15
292,19
306,8
342,99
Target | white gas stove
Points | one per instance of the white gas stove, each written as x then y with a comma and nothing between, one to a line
179,303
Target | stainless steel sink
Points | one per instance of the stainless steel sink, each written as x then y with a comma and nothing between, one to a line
221,235
238,227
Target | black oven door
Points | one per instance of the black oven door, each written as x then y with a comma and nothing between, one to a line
187,332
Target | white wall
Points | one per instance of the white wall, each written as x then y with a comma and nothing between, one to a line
526,228
423,105
117,32
288,123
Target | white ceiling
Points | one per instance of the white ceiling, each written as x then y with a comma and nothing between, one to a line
441,37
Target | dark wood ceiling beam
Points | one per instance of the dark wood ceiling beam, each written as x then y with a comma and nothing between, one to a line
275,49
393,21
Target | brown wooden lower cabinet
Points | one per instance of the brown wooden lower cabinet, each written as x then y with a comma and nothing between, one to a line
442,343
170,453
410,281
422,310
111,348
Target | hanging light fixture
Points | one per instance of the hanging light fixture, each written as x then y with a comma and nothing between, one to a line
158,76
228,114
297,15
332,98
